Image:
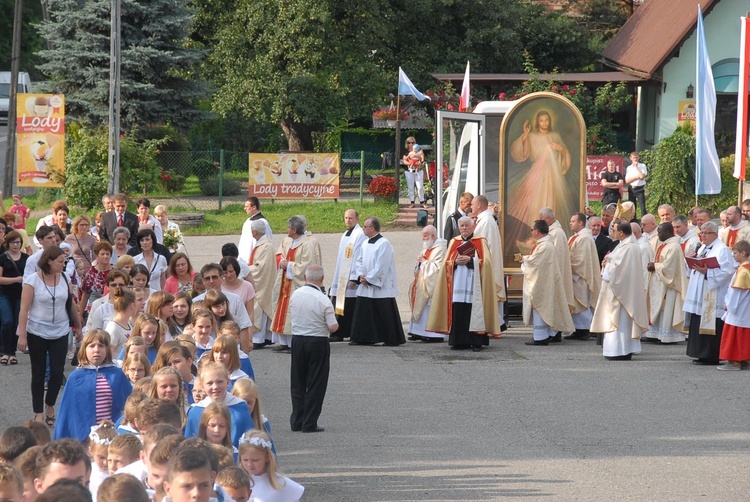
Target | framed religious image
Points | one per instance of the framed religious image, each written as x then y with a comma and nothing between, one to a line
542,164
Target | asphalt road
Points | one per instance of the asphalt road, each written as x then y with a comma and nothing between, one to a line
421,422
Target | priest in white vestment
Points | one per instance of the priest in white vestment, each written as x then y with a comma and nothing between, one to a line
587,278
545,305
345,275
486,227
296,253
560,241
647,253
464,296
376,315
621,309
689,241
738,229
704,301
429,261
262,266
666,290
247,241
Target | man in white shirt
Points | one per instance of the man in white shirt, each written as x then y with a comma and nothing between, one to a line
635,177
212,274
313,320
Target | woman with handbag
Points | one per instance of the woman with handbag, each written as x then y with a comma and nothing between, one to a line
12,263
47,313
82,242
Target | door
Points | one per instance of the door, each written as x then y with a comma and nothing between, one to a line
460,160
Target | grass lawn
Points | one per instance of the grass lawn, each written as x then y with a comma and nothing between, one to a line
322,217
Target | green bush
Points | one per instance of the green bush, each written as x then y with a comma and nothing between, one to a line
210,186
173,155
671,176
84,180
205,169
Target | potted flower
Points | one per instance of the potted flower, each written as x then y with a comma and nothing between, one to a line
383,188
389,115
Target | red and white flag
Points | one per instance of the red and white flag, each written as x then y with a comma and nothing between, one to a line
465,103
740,152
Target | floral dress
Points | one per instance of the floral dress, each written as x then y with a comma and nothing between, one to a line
93,284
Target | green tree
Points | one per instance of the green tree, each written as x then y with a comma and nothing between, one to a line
300,64
156,85
84,180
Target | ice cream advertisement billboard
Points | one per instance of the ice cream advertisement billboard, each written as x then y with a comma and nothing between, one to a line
294,175
40,138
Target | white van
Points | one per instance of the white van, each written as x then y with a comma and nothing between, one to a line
24,85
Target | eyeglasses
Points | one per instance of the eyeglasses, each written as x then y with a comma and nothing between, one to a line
409,142
14,242
708,233
211,278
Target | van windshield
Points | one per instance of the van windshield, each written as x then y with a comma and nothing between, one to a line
5,89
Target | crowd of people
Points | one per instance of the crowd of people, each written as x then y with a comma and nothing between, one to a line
625,280
163,404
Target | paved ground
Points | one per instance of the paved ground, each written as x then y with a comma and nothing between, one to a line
421,422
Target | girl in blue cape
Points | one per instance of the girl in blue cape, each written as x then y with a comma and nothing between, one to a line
96,390
215,381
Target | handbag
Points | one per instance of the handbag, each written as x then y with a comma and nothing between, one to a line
69,301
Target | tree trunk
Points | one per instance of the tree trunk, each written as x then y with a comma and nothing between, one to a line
298,135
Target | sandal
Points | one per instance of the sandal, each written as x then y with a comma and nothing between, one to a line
50,421
4,360
13,360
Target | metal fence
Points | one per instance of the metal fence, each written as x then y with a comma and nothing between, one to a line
224,173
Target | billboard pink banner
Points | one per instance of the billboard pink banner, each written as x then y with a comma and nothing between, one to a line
294,175
595,166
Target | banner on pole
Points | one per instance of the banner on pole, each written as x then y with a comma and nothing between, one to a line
294,175
40,138
595,166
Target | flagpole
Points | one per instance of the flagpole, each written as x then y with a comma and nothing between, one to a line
397,160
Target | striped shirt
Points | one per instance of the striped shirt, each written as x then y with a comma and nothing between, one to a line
103,399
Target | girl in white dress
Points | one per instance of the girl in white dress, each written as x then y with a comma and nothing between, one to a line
257,459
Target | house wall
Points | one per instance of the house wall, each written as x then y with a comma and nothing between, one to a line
722,29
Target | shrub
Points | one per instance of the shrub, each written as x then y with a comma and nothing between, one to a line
174,152
210,187
671,177
84,180
205,169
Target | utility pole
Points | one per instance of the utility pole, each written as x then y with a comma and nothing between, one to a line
15,64
113,163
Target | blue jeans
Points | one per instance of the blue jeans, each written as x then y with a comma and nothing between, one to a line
9,309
